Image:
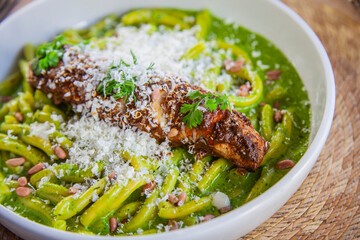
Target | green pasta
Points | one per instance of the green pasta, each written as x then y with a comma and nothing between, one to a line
262,184
195,51
29,51
198,168
152,16
127,210
10,84
31,154
210,77
169,182
41,144
144,215
10,119
43,117
25,70
111,201
41,99
4,189
15,128
287,122
237,51
203,20
3,112
256,93
72,173
186,209
13,106
267,122
277,145
138,162
37,210
45,173
60,224
52,192
70,206
61,139
53,110
210,176
277,93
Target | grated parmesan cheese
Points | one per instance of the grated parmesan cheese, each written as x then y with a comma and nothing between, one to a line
99,141
42,130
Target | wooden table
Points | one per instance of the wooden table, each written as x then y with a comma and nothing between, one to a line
327,204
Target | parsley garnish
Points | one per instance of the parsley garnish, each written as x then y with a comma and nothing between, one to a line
134,58
124,87
194,116
151,66
49,54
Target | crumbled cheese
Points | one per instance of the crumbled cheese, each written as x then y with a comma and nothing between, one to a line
95,197
261,65
10,135
99,141
256,54
43,180
56,117
42,130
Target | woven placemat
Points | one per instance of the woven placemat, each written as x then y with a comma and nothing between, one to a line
327,204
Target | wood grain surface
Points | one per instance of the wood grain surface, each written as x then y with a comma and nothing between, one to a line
327,204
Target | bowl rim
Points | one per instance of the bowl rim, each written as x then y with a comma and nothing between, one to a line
304,164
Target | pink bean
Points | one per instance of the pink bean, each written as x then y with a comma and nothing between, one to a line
59,152
22,181
285,164
14,162
113,224
37,168
23,191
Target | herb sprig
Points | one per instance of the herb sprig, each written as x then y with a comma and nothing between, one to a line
118,89
194,116
123,88
49,54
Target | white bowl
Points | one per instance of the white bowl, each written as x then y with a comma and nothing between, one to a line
41,20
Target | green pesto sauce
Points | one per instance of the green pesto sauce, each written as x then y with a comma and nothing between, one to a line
236,186
296,101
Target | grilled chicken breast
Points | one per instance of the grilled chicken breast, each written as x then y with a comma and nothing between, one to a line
222,133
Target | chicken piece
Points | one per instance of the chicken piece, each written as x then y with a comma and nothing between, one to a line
222,133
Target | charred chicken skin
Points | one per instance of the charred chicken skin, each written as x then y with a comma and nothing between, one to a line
222,133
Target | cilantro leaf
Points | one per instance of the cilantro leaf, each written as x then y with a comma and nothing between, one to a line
194,95
194,116
186,108
224,102
211,104
193,119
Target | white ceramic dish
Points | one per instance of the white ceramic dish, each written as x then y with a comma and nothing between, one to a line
42,19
